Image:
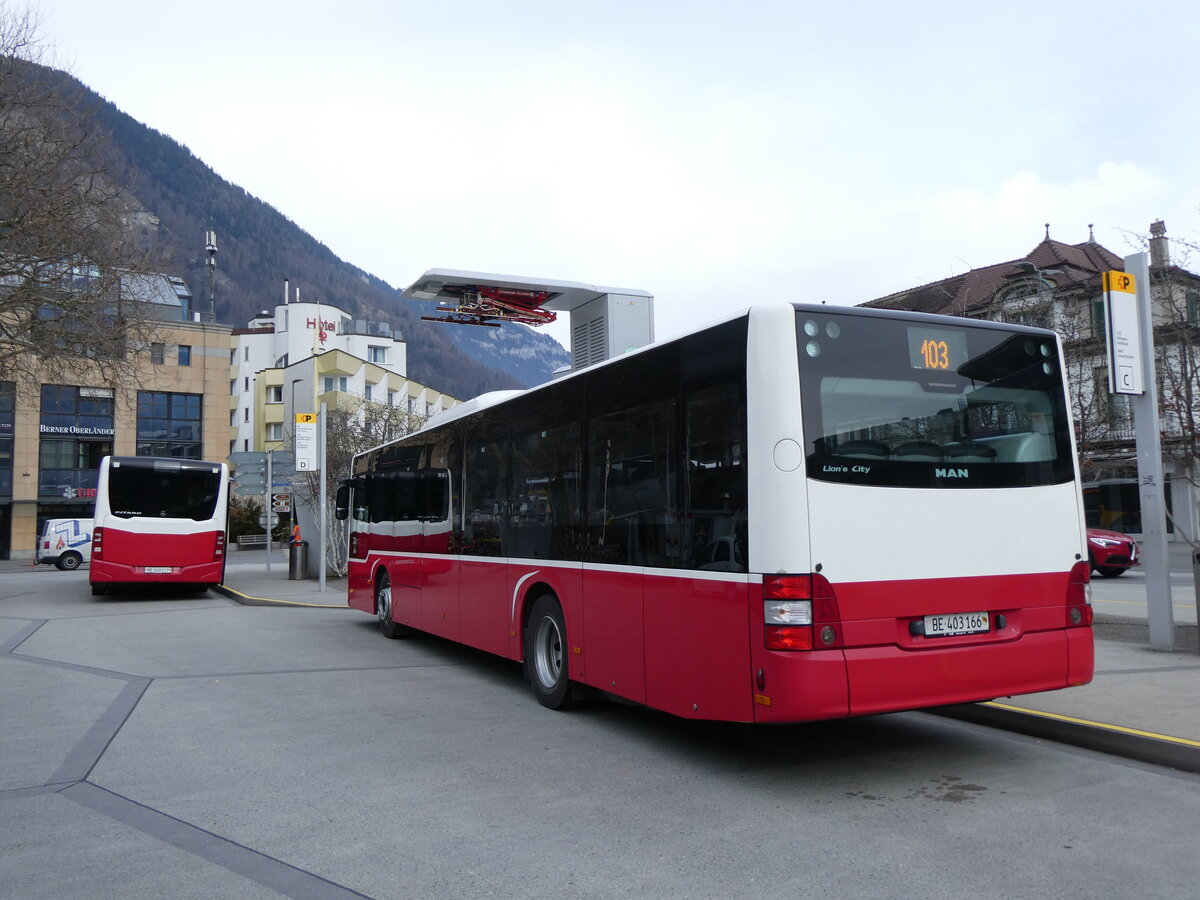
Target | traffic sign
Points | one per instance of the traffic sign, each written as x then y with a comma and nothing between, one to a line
268,520
281,503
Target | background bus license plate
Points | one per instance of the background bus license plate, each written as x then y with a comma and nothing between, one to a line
158,570
958,623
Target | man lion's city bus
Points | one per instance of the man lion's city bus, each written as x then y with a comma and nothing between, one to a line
159,520
798,513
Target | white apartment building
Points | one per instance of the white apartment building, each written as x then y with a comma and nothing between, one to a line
302,354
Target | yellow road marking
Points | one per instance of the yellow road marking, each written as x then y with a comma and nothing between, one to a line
1107,727
283,602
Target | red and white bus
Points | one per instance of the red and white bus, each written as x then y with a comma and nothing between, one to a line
159,520
802,512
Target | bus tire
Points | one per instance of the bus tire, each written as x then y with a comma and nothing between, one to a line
69,561
546,654
383,609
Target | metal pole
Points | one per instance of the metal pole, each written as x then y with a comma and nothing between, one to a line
1150,470
267,506
324,523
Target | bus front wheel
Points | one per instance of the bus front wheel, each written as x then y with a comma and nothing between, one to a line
383,609
545,654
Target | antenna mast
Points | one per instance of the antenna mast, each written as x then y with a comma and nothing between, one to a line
210,247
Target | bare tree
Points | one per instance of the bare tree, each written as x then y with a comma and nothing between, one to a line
71,250
355,425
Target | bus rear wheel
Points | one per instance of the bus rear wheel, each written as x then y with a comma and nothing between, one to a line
383,609
545,654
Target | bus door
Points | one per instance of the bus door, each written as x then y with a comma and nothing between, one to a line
439,578
396,531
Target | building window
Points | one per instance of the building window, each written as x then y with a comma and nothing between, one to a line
246,353
1193,307
232,360
1113,410
275,431
185,355
411,401
246,414
158,353
274,393
8,397
367,392
233,387
170,425
1098,318
76,428
377,355
246,383
391,398
327,384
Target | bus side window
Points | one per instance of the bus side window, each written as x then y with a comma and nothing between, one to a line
714,510
632,510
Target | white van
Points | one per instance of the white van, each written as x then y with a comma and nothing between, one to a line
65,542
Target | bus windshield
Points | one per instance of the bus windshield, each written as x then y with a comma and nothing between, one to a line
163,489
907,402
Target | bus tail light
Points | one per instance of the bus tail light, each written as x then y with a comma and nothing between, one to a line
219,547
97,543
353,551
1079,596
800,612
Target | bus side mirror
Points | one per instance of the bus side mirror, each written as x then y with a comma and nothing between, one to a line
341,503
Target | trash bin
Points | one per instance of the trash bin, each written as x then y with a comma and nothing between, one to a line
297,561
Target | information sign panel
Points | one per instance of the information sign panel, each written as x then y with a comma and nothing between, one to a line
1122,327
306,442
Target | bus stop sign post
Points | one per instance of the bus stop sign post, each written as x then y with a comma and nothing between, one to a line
1149,462
324,517
267,505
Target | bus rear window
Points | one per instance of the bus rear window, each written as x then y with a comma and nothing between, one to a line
142,492
898,402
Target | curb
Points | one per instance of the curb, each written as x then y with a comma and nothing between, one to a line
1115,740
246,600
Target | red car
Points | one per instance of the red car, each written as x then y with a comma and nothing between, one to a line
1111,552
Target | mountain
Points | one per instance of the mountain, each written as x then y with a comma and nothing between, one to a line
260,247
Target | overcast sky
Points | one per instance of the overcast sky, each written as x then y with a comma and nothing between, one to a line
713,153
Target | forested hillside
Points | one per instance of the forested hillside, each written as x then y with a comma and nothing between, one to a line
260,247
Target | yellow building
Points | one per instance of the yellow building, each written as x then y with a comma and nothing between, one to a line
55,429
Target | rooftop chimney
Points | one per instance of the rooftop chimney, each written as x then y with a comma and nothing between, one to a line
1160,256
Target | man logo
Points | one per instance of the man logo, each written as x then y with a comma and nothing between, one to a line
951,473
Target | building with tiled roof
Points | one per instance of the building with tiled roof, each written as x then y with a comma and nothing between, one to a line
1058,285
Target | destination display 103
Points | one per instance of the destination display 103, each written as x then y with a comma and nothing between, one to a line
936,348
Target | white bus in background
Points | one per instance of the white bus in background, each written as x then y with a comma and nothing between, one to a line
159,520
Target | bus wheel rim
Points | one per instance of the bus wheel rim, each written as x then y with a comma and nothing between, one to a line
548,655
384,604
